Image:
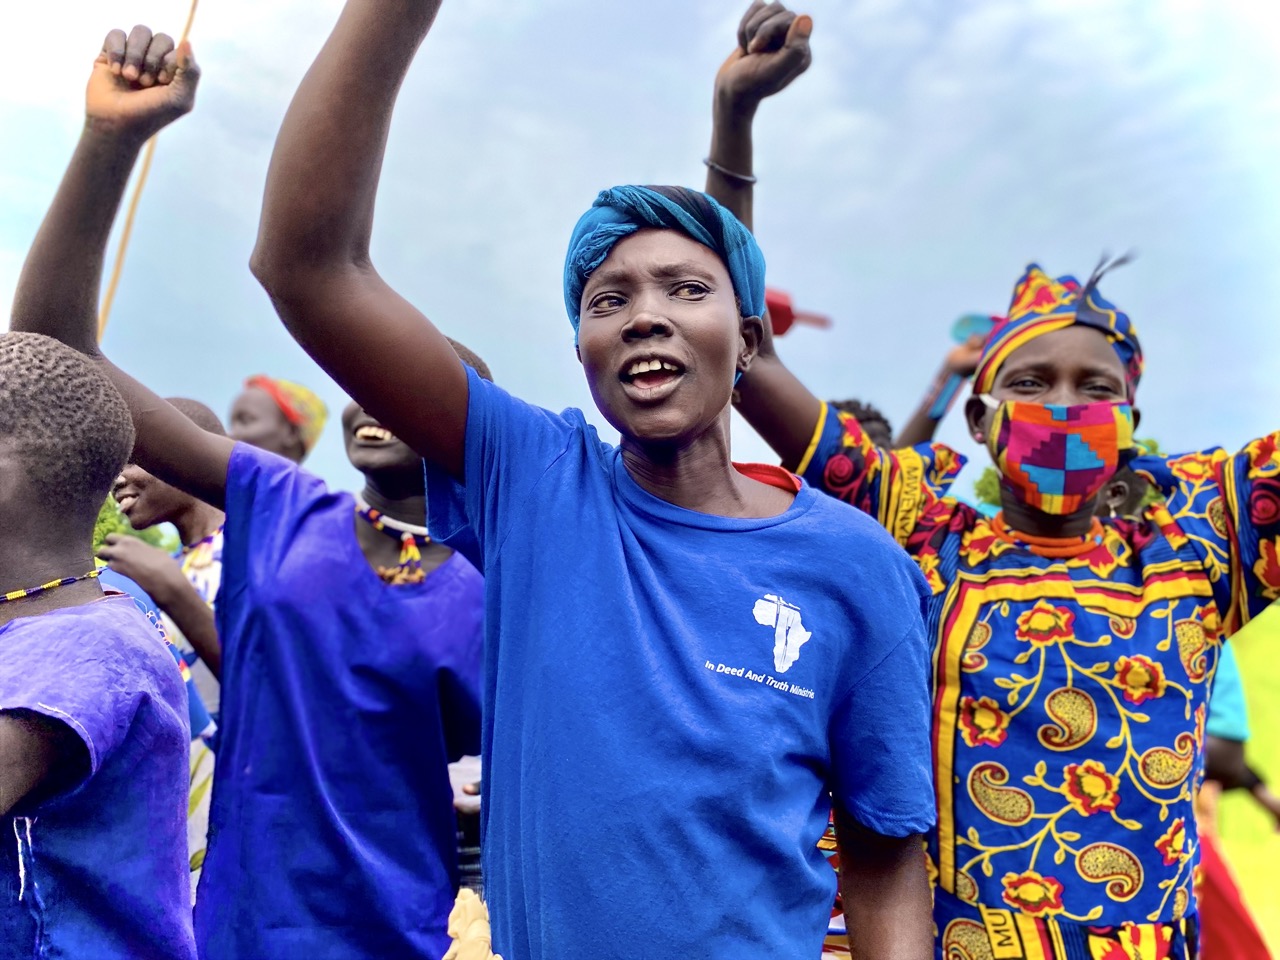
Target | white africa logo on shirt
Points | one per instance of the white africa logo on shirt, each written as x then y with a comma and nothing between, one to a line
789,634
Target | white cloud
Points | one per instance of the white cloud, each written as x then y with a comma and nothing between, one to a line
931,151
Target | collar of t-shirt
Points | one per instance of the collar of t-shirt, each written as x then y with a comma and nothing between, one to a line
641,500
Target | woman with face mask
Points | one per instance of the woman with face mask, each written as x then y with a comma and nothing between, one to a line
1073,654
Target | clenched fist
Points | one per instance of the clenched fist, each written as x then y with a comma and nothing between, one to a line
140,83
773,49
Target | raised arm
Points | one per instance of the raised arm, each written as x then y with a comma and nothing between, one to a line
139,85
772,50
960,363
312,254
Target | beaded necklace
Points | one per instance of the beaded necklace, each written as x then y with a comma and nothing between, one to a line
1052,548
51,585
412,539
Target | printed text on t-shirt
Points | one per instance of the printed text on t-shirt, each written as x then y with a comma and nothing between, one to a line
763,678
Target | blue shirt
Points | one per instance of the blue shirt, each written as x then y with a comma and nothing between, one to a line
197,715
100,869
332,831
670,695
1228,717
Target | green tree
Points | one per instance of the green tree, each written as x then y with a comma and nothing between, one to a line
987,487
111,520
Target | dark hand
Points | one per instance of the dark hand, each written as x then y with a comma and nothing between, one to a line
773,49
150,568
140,83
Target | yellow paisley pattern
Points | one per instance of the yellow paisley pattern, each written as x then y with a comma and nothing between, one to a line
1070,684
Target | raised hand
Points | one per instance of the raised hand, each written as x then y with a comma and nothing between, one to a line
773,49
140,83
963,359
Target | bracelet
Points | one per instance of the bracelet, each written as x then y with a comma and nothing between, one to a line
726,172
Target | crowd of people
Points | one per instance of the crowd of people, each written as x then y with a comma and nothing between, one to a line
695,685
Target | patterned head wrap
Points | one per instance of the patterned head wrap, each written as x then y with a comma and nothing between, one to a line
300,406
621,211
1042,305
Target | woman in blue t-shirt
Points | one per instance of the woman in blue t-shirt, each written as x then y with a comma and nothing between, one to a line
678,674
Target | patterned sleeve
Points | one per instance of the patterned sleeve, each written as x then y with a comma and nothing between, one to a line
1228,505
894,486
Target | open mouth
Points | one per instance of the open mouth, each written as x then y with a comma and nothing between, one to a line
650,374
126,501
371,433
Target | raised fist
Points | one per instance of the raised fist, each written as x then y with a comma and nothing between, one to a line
773,49
140,83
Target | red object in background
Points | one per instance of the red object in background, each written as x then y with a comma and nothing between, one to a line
783,315
1227,932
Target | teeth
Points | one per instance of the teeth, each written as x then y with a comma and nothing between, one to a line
648,366
374,433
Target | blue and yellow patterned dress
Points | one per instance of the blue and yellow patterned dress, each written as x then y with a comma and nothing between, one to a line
1070,683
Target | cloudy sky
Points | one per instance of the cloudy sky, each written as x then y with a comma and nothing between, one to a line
934,147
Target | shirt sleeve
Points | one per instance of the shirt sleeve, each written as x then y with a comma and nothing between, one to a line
197,713
1228,507
894,486
880,731
267,497
56,672
510,445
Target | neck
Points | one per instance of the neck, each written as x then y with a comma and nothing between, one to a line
696,476
1024,519
400,496
197,521
27,562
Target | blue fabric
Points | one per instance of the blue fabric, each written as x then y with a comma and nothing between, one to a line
657,766
197,714
332,829
99,870
1227,715
621,211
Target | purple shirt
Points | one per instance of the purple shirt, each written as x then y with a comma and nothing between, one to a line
100,870
332,830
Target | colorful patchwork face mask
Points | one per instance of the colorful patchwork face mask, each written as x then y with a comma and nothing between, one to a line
1057,459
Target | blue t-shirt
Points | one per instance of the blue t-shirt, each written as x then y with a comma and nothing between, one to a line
1228,717
99,870
332,831
670,695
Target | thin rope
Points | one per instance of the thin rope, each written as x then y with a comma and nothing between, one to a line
126,233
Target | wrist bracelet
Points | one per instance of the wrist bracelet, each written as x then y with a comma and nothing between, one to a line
726,172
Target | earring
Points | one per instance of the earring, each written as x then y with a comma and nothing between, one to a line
979,438
1113,511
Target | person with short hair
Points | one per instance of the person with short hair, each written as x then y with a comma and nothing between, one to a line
350,638
93,714
685,657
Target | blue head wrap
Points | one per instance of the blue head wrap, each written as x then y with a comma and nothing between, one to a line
621,211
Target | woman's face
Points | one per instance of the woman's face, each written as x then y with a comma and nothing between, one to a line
661,337
372,448
146,500
256,419
1072,366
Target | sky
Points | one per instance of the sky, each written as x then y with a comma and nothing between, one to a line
934,148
